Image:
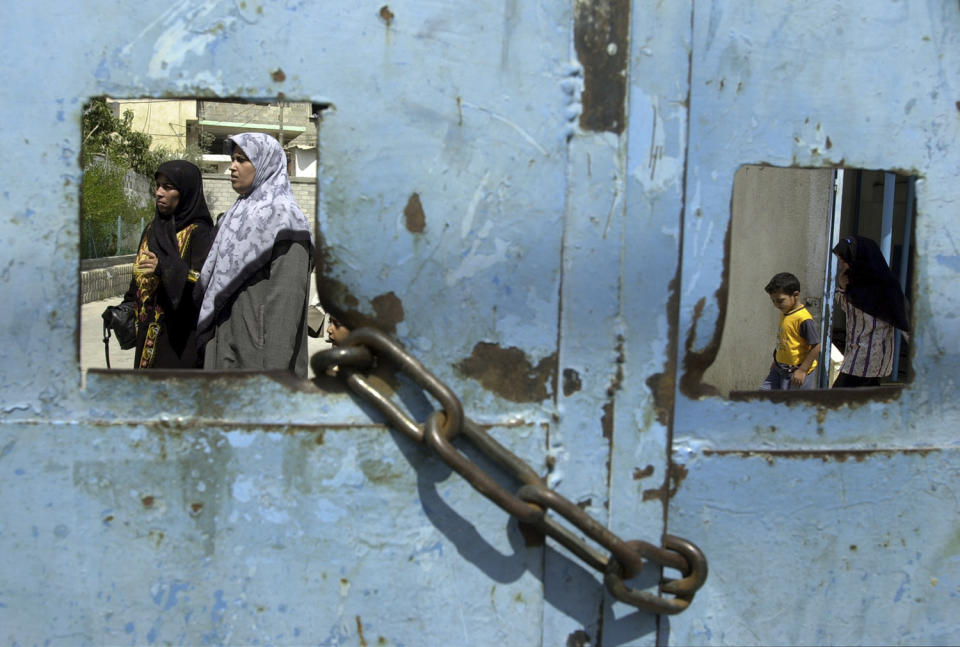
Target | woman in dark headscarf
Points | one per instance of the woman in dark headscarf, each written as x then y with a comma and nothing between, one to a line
873,302
171,252
256,280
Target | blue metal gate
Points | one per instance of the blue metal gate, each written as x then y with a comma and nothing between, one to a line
534,198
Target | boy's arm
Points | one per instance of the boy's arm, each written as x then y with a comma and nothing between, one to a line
800,374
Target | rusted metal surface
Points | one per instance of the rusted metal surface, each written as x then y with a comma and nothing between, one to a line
413,215
601,36
562,208
509,373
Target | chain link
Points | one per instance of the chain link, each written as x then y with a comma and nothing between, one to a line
531,502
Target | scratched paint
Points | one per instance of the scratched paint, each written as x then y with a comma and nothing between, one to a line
257,509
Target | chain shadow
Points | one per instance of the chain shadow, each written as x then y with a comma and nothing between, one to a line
581,588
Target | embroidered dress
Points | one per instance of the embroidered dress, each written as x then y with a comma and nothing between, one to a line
152,338
163,300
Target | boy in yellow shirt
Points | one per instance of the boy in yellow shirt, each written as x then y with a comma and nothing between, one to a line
798,340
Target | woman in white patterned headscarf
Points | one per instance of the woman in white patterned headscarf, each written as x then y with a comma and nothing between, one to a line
255,281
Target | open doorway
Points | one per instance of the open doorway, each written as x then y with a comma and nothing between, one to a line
788,220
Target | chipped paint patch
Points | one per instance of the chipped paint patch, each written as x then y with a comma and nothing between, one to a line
662,385
601,36
413,215
571,382
676,473
696,362
509,373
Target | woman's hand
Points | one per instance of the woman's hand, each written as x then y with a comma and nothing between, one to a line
843,273
146,263
843,279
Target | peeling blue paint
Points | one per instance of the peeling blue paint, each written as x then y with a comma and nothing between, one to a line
541,237
951,262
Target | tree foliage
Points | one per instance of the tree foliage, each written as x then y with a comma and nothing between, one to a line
111,220
112,138
110,215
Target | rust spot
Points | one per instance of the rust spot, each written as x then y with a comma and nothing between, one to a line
826,398
278,76
606,420
386,15
363,641
853,547
643,473
318,438
696,362
338,300
676,473
148,501
825,455
571,382
579,638
508,372
662,385
601,37
195,508
413,215
108,518
829,143
389,310
618,374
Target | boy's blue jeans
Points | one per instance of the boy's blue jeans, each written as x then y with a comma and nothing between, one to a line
779,380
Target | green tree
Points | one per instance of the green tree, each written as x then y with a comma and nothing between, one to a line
107,211
112,138
111,149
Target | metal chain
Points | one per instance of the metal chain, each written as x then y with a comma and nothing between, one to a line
530,503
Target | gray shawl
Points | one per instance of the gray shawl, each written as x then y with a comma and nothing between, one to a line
247,232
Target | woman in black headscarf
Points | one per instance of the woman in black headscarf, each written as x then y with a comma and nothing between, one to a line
873,302
172,250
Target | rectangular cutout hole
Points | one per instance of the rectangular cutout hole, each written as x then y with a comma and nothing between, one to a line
789,220
124,141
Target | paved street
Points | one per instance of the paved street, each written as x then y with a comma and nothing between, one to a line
91,339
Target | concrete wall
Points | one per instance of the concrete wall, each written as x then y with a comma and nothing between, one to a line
779,223
164,120
105,278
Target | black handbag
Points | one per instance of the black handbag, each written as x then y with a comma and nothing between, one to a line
122,320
